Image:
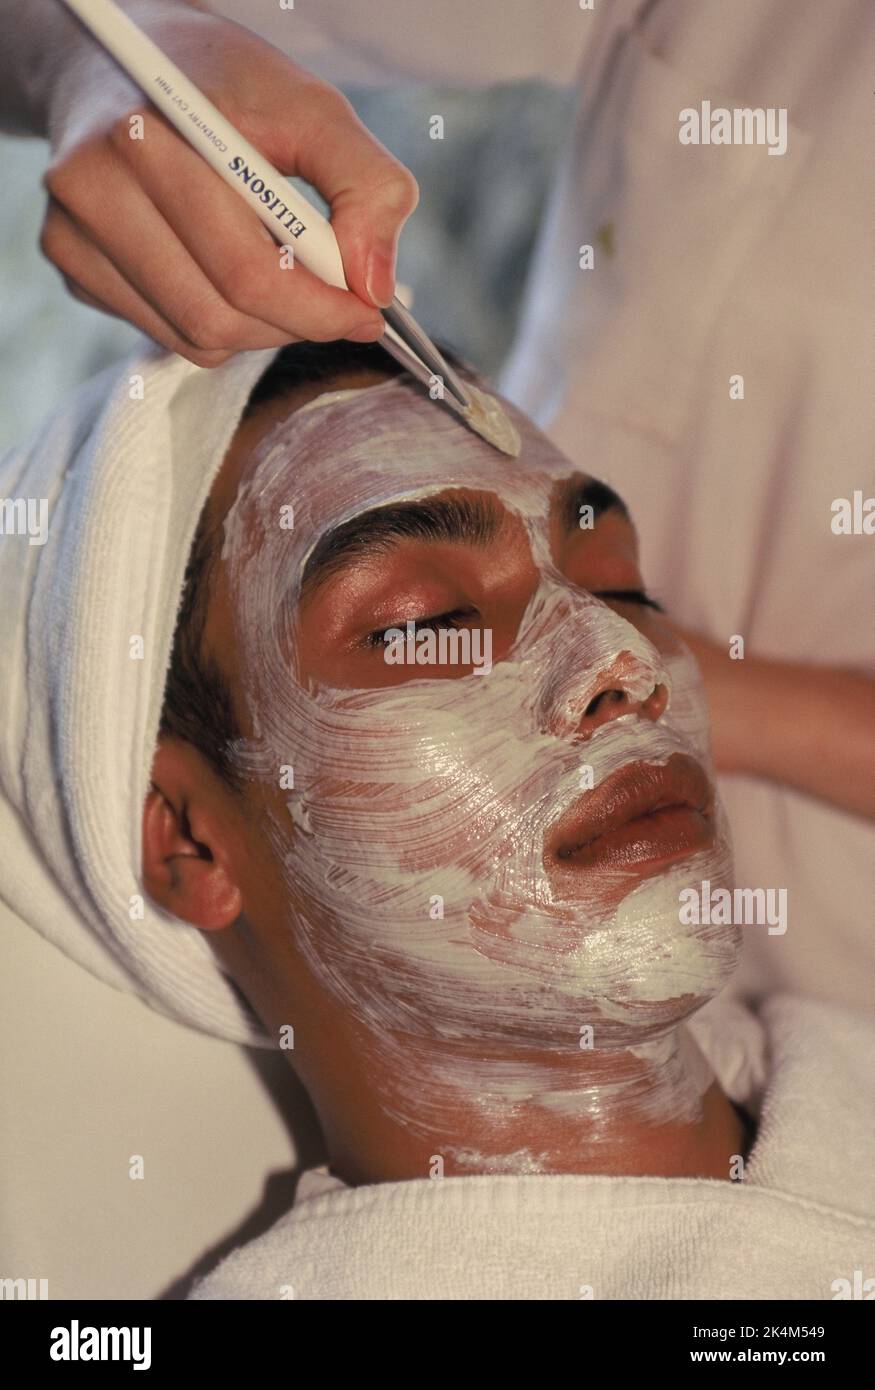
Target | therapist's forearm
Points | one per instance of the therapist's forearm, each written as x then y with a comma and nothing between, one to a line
39,39
814,729
33,40
808,727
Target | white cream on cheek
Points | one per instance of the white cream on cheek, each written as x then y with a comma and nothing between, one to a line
442,791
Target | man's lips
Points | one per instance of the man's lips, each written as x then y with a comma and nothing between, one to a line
642,815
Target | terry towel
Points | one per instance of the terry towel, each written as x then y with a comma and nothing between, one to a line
125,468
800,1225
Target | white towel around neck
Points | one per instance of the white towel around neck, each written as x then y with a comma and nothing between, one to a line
125,480
801,1220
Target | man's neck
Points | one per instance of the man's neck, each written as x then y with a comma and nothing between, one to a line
426,1112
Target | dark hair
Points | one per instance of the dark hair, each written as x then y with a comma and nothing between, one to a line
198,706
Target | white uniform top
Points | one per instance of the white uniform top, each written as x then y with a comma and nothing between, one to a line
710,260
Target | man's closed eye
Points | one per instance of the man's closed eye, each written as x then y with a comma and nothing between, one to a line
459,617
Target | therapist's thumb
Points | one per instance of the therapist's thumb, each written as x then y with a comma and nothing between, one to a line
370,193
367,224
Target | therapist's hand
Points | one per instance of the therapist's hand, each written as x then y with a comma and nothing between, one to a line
808,727
147,231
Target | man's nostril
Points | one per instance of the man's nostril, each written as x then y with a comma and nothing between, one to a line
606,697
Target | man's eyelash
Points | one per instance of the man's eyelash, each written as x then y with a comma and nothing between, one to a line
630,596
440,620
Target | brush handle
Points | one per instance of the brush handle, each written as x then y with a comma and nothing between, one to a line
286,213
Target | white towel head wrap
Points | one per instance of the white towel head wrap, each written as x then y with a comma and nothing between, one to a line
125,468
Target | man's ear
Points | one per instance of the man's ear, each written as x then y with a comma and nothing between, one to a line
189,839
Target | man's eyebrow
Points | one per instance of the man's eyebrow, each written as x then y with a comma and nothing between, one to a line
588,492
470,520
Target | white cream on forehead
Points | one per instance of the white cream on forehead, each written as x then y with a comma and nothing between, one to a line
484,415
332,397
442,790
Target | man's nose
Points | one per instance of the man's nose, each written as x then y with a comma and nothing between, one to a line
612,702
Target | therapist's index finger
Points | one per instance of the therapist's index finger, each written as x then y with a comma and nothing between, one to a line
371,194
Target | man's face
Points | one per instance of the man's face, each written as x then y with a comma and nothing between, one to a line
481,824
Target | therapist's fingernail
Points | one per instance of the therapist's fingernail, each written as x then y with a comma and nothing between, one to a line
380,275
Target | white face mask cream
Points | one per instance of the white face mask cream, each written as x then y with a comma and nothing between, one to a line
414,836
